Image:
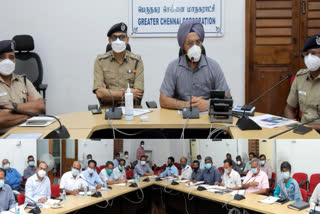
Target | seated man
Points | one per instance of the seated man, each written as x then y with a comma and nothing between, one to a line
265,166
127,159
315,198
89,157
7,200
248,165
71,181
13,177
31,168
287,187
106,175
186,170
38,186
16,91
192,76
304,92
116,68
91,176
210,175
196,171
142,168
231,178
239,165
201,162
171,169
256,180
119,173
116,160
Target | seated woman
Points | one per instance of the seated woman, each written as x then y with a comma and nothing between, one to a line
287,187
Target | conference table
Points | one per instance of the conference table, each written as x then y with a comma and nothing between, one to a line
250,203
85,125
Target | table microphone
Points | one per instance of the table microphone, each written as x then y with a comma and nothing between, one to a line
59,133
36,209
190,112
314,211
239,197
112,113
96,194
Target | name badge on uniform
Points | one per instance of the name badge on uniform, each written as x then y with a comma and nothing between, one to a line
302,93
3,94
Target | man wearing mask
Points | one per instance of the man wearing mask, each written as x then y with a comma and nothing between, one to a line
13,177
116,68
196,171
142,168
38,186
71,181
171,169
127,159
116,160
265,166
210,175
239,165
304,92
192,76
7,200
186,170
248,165
201,162
31,168
140,150
119,172
91,176
16,91
106,174
256,180
231,178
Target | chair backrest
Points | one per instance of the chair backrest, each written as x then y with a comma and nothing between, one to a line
314,181
55,190
220,169
178,165
98,170
27,62
129,173
109,48
304,194
102,167
21,198
273,180
301,179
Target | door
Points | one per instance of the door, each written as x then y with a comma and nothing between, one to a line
194,149
69,153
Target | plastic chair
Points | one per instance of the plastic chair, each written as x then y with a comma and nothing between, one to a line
102,167
301,178
304,194
129,174
55,190
314,181
21,198
98,170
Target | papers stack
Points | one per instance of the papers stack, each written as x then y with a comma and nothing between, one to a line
269,200
271,121
40,121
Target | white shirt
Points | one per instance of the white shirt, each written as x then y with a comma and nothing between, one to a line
36,189
68,182
117,175
104,176
231,181
186,172
315,198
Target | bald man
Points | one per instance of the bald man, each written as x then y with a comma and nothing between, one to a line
71,181
13,177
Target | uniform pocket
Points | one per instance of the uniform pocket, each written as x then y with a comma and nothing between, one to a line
4,98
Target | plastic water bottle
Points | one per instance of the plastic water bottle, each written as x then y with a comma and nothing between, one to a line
105,185
137,178
64,195
85,190
129,104
17,209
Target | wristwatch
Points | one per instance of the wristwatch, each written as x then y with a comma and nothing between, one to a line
15,106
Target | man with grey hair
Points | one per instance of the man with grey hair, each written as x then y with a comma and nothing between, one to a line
256,180
71,181
210,174
186,170
192,76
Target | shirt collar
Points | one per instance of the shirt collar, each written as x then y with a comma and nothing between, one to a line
13,77
184,63
309,77
126,56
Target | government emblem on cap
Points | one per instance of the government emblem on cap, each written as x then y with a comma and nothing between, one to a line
318,40
123,27
12,46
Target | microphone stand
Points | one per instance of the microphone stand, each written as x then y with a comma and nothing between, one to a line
112,113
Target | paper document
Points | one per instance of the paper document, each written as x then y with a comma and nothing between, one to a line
40,121
120,184
136,111
24,136
269,200
271,121
238,192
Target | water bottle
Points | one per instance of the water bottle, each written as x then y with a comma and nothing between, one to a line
17,209
85,190
129,104
105,185
64,195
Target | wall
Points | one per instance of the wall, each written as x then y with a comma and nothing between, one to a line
17,153
70,34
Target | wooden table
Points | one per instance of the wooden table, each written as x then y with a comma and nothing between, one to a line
81,125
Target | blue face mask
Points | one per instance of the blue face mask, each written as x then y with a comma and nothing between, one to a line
208,165
254,170
31,163
120,168
109,172
262,162
1,183
226,171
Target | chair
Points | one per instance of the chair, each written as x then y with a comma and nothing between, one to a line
304,194
129,174
298,112
29,63
273,180
178,165
314,181
55,190
109,48
102,167
21,198
98,170
301,178
220,169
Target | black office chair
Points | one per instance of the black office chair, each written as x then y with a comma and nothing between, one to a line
203,51
29,63
109,48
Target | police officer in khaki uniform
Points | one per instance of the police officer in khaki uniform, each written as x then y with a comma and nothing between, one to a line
16,91
305,89
116,68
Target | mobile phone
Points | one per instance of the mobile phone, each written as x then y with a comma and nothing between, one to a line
302,130
96,111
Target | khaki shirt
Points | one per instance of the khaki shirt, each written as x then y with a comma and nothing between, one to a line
107,71
304,93
16,92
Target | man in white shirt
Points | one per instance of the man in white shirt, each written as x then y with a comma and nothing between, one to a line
119,173
201,161
231,178
71,181
265,166
186,170
38,186
106,174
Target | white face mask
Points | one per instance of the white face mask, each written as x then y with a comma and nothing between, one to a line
90,171
312,62
142,146
126,156
143,163
75,172
7,67
238,162
194,53
118,46
42,173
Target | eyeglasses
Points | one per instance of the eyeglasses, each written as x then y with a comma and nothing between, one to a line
121,37
315,53
190,43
